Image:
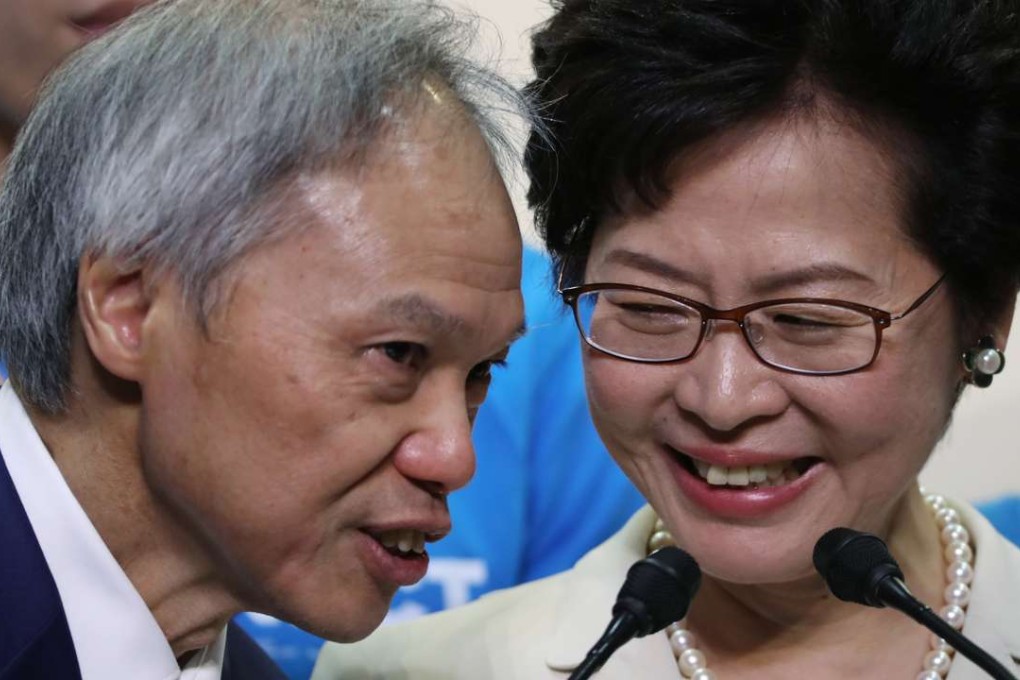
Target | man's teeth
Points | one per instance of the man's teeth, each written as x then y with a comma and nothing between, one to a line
403,540
772,474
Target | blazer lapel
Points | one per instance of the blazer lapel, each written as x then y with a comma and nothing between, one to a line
993,616
35,640
243,659
586,609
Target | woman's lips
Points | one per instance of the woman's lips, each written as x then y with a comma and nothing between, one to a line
743,491
756,475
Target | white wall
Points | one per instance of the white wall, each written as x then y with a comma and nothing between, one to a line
505,28
980,455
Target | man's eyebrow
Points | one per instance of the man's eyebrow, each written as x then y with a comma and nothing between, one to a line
418,310
768,283
521,331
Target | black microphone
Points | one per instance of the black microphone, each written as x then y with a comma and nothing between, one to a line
657,591
858,567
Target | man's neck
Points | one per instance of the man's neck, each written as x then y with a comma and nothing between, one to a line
95,447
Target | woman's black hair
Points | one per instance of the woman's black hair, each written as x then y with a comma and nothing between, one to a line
629,86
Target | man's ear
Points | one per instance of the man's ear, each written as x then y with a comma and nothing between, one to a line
112,308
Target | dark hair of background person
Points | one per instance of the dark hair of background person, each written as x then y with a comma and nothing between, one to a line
630,87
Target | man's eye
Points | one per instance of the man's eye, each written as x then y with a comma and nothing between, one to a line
483,371
406,353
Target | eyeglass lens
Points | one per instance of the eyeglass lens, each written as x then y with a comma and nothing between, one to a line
808,337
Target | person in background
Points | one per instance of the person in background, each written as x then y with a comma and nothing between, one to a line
790,235
36,36
256,263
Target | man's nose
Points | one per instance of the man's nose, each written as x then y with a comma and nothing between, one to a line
725,385
439,454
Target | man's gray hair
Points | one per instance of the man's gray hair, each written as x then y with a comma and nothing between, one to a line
159,143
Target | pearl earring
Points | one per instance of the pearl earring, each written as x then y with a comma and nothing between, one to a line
983,361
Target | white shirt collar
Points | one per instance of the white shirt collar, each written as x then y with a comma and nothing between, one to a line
114,633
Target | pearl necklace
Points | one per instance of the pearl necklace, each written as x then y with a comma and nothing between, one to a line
959,573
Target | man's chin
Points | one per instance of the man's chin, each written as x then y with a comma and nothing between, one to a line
351,622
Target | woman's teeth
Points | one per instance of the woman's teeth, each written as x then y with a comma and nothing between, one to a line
406,541
773,474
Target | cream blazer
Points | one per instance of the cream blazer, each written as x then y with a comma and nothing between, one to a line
544,629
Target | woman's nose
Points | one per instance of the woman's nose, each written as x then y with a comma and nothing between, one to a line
725,385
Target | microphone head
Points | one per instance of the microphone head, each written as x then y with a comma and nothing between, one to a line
853,565
659,589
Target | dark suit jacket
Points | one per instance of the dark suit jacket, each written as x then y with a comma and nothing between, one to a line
35,641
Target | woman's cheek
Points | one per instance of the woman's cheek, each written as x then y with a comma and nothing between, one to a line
623,396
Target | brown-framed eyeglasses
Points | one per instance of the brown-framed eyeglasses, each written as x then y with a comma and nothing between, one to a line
810,336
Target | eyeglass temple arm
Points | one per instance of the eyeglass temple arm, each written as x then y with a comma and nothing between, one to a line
921,300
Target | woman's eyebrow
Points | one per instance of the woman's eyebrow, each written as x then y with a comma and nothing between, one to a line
812,273
651,265
766,283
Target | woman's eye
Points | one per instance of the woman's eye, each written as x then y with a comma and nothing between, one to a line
801,321
406,353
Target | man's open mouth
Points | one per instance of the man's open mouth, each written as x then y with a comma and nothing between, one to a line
406,543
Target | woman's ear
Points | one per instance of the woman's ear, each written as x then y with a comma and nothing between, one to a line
1001,329
986,358
112,307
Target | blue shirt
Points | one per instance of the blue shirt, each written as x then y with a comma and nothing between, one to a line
1004,513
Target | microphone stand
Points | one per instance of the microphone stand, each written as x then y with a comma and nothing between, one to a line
894,593
657,591
621,629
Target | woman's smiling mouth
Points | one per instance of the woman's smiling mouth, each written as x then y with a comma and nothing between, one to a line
743,491
755,476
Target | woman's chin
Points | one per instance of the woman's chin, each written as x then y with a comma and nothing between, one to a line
749,556
756,570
